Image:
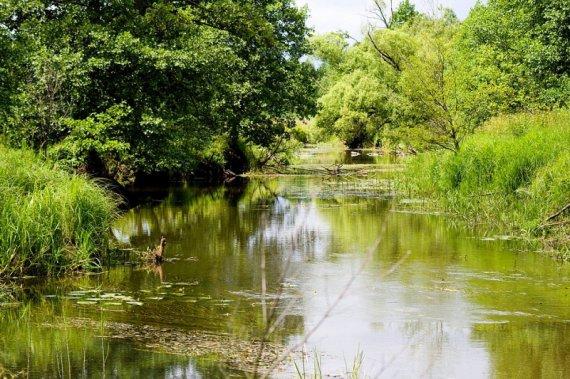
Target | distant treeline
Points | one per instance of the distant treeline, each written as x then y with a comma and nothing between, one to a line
428,81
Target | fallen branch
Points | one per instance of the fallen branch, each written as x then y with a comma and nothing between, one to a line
335,169
548,225
560,212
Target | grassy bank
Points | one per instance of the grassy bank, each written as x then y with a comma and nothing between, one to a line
512,177
50,221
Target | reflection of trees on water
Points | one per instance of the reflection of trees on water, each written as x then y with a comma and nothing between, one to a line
527,350
428,314
212,224
293,231
40,342
229,231
435,295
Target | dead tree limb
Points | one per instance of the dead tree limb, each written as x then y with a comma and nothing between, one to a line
560,212
335,169
382,13
385,56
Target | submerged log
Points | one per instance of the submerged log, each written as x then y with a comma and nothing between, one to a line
334,170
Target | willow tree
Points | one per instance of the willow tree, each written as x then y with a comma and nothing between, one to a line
359,95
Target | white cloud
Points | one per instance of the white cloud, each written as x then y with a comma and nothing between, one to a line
353,15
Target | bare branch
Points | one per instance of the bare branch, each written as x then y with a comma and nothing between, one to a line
387,58
381,13
561,211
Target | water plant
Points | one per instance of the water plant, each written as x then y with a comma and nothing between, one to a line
305,366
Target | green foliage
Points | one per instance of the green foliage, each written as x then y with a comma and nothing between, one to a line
46,96
280,153
512,175
359,91
102,135
431,86
330,50
430,81
183,73
406,12
8,60
520,47
397,84
50,221
393,18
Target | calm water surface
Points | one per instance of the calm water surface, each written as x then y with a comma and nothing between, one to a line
456,306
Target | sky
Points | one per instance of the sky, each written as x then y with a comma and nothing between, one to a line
352,15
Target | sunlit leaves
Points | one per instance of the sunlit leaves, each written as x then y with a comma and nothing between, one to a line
190,73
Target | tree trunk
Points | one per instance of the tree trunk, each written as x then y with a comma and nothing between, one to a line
236,159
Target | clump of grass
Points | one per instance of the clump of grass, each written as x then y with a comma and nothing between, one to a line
50,221
509,177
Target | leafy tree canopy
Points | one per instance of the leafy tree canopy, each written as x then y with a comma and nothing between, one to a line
429,81
146,86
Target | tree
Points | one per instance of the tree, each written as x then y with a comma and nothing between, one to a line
393,18
185,73
358,89
435,79
405,13
431,84
520,47
9,61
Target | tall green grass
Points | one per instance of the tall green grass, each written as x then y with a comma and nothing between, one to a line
50,221
507,178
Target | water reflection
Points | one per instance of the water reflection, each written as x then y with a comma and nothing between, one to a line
457,306
333,155
430,313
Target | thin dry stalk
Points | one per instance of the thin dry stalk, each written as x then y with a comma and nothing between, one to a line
340,297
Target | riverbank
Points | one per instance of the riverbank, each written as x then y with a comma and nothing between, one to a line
510,178
50,221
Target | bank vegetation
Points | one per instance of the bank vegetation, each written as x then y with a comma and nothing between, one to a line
51,221
479,106
511,177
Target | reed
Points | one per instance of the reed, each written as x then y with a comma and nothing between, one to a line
51,221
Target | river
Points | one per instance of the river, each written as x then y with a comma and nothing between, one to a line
378,288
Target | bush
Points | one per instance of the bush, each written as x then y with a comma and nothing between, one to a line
50,221
509,177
